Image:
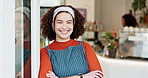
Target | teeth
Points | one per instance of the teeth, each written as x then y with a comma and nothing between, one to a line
64,31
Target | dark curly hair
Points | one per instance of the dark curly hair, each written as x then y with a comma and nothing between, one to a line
46,24
130,20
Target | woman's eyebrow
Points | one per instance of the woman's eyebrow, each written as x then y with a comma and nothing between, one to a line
58,20
69,20
61,20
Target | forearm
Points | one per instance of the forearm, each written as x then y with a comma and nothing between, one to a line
92,74
75,76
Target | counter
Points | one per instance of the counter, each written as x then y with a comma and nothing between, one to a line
123,68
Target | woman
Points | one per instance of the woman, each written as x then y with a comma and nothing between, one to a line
129,20
27,41
66,57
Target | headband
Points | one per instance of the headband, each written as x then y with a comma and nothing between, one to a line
25,10
59,9
67,9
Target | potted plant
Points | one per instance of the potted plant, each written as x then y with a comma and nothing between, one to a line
141,6
112,43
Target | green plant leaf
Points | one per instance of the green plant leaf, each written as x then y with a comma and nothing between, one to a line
142,6
117,40
109,35
141,19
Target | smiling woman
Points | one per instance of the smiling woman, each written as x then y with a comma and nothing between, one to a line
73,58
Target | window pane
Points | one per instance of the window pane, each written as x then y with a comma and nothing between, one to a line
23,39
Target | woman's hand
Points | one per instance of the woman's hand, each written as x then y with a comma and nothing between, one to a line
93,74
51,75
18,75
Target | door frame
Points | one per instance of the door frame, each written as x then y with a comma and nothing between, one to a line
7,39
35,38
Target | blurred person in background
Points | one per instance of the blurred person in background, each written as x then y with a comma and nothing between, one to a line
129,20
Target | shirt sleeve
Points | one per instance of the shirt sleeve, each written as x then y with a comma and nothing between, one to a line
93,62
45,63
27,68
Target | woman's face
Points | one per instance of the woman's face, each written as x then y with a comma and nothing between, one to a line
63,26
123,22
18,28
19,22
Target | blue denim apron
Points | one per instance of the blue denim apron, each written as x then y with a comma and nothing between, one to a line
68,62
27,54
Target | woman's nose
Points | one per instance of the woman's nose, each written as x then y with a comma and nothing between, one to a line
64,25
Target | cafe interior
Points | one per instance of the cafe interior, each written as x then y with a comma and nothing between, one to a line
121,49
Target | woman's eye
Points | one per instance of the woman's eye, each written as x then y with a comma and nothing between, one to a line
69,22
59,22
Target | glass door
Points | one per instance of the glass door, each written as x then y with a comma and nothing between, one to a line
23,39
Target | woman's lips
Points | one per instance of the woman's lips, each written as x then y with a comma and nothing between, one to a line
64,31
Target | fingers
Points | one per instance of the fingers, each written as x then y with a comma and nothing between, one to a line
50,74
98,74
97,77
97,71
18,75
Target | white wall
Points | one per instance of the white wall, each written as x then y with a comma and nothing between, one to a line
88,4
128,5
110,13
98,10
